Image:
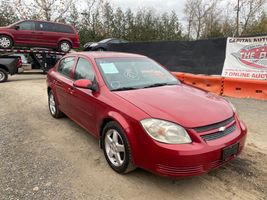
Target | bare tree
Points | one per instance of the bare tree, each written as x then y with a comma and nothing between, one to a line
189,16
197,13
50,10
249,10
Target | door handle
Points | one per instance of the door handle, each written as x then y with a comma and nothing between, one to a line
71,90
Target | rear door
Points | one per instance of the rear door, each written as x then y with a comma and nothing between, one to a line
63,82
25,33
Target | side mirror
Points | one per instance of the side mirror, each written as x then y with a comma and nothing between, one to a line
16,27
86,84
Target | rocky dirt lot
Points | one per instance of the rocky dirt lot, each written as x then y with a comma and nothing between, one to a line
43,158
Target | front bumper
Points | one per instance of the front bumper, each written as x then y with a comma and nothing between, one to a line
190,159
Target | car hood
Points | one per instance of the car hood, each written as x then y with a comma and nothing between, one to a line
87,44
184,105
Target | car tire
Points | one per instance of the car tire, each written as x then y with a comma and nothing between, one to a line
64,46
100,49
53,107
6,42
3,75
116,148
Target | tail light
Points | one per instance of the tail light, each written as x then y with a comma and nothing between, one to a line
77,37
19,63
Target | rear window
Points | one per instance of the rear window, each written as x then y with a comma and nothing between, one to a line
65,66
64,28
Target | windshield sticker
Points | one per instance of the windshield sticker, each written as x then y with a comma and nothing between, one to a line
109,68
131,74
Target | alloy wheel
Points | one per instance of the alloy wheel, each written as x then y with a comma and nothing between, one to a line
5,42
65,47
2,76
115,148
52,104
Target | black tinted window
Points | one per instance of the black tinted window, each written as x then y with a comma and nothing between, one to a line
66,65
45,26
63,28
84,70
26,25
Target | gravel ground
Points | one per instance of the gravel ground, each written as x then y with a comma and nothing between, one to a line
43,158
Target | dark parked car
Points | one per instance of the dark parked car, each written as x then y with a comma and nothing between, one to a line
143,116
9,65
31,33
102,45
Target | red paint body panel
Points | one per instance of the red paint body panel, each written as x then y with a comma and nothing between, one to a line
35,38
181,104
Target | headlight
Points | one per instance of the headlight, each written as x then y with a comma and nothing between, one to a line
232,106
166,132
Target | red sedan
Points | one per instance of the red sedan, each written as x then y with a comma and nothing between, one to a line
143,116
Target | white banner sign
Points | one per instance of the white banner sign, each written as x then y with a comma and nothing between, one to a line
246,58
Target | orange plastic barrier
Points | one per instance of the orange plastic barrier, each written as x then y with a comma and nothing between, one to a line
209,83
244,88
233,87
179,75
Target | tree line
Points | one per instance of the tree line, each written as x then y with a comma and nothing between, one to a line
98,19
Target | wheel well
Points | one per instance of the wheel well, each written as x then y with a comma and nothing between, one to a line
104,122
48,90
4,67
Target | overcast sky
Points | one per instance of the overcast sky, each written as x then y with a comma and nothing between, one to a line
158,5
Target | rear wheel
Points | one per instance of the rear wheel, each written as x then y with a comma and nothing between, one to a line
3,75
64,46
116,148
5,42
53,107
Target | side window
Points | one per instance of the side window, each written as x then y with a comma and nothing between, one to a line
84,70
114,41
44,26
64,28
26,25
65,66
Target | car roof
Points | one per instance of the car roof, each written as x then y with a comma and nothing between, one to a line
97,54
33,20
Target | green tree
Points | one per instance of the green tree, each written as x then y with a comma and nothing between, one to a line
8,14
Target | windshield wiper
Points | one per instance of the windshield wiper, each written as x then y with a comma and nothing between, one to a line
126,88
159,84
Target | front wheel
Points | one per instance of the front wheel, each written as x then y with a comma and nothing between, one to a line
3,75
5,42
116,148
64,46
100,49
53,107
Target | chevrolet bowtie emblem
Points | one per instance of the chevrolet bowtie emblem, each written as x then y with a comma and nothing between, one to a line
222,129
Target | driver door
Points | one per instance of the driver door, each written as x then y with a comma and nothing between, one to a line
84,102
25,34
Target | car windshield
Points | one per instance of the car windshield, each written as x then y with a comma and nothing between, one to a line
133,73
105,40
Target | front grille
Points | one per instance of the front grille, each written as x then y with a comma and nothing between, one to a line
216,135
214,126
182,171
